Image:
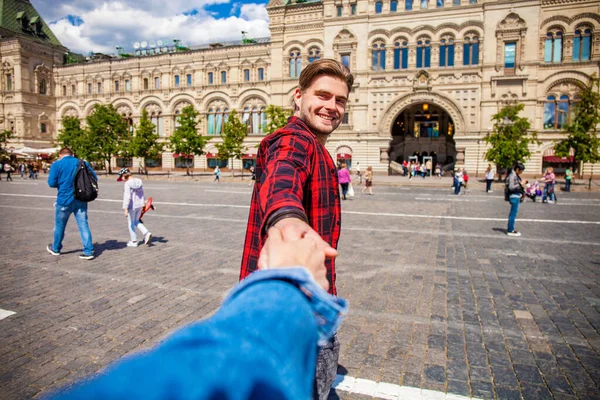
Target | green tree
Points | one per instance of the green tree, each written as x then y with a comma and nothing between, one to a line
276,118
509,140
5,136
234,133
71,135
582,136
108,134
145,142
185,140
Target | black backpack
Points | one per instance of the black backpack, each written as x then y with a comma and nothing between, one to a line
85,184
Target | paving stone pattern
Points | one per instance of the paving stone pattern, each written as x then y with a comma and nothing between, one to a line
451,305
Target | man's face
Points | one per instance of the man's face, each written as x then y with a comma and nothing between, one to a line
322,105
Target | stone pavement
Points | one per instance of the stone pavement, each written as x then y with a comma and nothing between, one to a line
441,299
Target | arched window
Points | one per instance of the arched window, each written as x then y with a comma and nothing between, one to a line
314,54
43,89
408,5
378,7
553,47
582,45
423,53
393,6
295,64
216,120
211,121
379,56
439,3
558,112
471,50
9,82
254,116
424,4
401,55
447,52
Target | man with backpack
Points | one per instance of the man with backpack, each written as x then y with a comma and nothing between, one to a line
63,175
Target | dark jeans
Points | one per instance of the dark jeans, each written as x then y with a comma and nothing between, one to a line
344,189
488,184
567,185
457,186
327,363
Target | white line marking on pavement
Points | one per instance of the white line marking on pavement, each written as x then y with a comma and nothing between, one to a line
382,390
226,191
457,199
5,313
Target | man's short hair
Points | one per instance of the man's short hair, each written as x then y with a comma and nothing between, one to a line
326,67
65,151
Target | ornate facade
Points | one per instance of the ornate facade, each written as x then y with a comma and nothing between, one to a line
429,76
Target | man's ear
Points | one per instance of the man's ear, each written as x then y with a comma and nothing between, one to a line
297,99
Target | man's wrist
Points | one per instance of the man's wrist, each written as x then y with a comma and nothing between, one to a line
284,213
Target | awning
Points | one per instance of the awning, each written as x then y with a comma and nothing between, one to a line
344,156
30,150
177,155
249,156
558,160
212,155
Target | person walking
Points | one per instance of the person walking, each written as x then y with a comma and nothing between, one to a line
568,178
428,167
344,179
8,169
368,181
465,181
549,179
514,193
298,189
358,175
62,175
458,181
489,178
217,174
253,175
133,202
22,169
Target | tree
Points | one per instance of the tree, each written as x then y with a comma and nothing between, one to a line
276,118
145,142
72,136
582,136
234,133
186,141
5,136
509,140
108,135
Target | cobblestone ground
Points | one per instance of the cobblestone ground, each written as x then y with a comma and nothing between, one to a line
440,297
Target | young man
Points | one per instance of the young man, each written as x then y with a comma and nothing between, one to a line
514,191
296,186
62,175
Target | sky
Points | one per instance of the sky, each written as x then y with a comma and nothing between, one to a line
84,26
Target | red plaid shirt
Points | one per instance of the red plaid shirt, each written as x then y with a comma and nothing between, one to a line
294,174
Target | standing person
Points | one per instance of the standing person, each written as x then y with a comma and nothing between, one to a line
217,173
368,181
22,169
550,181
344,178
489,178
30,167
358,175
62,175
428,167
297,186
465,181
514,194
405,167
458,180
8,169
253,177
133,202
568,177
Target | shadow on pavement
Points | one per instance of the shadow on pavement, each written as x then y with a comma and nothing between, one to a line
501,230
112,244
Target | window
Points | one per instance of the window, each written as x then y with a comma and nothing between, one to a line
216,119
340,9
157,83
43,88
471,51
424,4
73,90
127,85
157,120
314,54
90,89
64,90
401,55
295,64
184,162
212,162
146,83
510,55
558,112
423,53
408,5
255,118
210,78
393,6
379,56
116,86
177,82
353,9
439,3
345,119
447,52
99,87
43,127
261,74
456,2
223,76
9,82
188,79
582,45
553,47
472,1
346,60
246,75
378,7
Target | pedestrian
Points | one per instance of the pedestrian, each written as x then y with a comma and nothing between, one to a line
489,178
465,181
8,169
298,190
344,179
438,170
368,180
549,179
405,167
428,167
217,174
253,177
260,344
458,181
568,178
358,175
514,193
62,176
30,168
133,202
22,169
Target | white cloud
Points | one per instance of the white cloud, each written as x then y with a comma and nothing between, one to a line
254,12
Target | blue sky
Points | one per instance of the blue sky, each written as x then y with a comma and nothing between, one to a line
100,26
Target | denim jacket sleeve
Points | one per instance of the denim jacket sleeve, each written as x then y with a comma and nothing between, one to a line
261,344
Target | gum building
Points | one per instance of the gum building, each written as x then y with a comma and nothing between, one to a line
429,76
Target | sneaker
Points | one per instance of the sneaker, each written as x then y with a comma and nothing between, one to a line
513,233
147,238
54,253
550,201
132,244
86,256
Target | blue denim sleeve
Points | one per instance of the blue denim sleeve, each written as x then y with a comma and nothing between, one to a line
261,344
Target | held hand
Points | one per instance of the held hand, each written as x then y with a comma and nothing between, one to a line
294,228
281,252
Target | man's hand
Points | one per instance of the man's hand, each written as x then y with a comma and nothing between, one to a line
125,211
294,228
282,252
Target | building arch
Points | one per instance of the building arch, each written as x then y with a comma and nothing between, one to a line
293,44
378,33
213,96
151,99
252,93
180,98
89,106
313,42
69,104
418,31
119,101
572,76
556,18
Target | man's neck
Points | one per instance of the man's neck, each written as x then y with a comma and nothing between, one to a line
321,138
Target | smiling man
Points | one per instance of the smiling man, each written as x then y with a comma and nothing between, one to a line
296,186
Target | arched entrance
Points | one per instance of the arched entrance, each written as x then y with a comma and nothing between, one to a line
423,129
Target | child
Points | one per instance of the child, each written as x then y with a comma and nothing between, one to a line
465,181
133,202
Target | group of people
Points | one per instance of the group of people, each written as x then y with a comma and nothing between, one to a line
22,168
461,179
416,168
345,180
